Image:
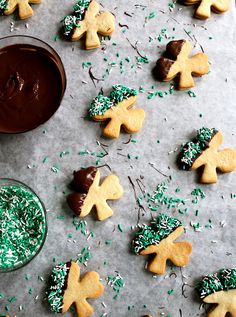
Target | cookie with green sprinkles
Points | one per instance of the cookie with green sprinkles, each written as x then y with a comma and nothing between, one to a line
159,238
3,6
116,109
23,225
219,288
87,20
70,22
204,7
204,151
67,288
25,10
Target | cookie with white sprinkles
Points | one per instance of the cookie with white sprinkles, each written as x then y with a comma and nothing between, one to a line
219,289
87,20
116,109
67,288
25,11
3,6
158,239
204,151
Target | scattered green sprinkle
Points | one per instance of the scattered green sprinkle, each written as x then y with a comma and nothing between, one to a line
191,93
170,292
120,228
55,169
117,283
84,255
151,15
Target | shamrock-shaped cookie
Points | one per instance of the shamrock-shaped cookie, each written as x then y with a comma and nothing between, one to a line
159,239
178,63
67,288
219,289
88,20
117,108
25,11
204,151
89,193
205,6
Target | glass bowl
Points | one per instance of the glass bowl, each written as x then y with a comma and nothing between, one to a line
23,225
32,83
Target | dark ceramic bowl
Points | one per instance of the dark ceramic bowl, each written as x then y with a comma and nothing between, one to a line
32,83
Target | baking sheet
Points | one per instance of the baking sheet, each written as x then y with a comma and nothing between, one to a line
171,120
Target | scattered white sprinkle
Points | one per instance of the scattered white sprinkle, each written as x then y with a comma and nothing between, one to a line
223,223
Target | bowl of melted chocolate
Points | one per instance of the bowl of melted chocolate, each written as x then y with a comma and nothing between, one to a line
32,83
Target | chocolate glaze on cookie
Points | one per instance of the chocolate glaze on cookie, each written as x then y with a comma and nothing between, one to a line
173,48
32,84
203,146
164,64
58,285
162,68
83,179
76,201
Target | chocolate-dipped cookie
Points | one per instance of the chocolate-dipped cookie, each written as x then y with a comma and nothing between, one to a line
219,290
89,193
158,239
87,20
117,108
67,288
204,7
25,11
203,151
177,63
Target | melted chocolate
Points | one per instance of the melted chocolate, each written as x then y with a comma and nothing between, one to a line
76,201
162,68
83,179
32,84
164,64
173,48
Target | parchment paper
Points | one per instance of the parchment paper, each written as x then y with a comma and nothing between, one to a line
172,120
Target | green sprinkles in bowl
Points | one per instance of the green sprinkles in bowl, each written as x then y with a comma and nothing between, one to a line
70,22
23,226
55,293
159,229
191,150
101,104
225,280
